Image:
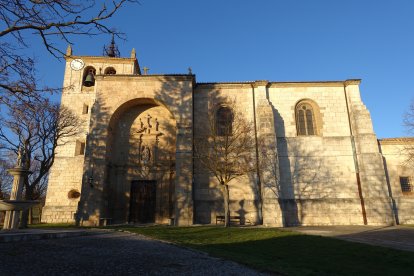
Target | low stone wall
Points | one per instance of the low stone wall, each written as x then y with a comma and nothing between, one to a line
304,212
405,210
58,214
327,211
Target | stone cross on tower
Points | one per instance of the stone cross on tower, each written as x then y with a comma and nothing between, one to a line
146,69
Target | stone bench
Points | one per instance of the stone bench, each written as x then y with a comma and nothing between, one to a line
232,219
105,221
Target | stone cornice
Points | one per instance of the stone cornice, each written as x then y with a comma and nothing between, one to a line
177,77
352,82
397,141
278,84
102,59
314,83
260,83
217,85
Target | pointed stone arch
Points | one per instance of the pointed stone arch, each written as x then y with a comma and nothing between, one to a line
308,118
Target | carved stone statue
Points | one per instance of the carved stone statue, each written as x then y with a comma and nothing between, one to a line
149,126
141,124
149,120
157,125
145,154
21,157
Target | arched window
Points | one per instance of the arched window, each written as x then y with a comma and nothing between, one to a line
306,123
110,71
89,76
224,121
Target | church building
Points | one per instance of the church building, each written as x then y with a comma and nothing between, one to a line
134,161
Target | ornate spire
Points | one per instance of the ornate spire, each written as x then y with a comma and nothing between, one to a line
111,50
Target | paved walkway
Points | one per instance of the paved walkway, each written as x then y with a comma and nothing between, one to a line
104,252
397,237
113,253
41,234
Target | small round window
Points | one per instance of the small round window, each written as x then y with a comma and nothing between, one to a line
73,194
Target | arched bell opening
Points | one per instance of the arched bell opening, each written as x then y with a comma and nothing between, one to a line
88,79
140,163
110,71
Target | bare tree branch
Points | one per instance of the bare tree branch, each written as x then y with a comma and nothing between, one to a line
6,179
38,130
50,21
409,125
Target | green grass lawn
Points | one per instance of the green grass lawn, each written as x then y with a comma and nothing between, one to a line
286,252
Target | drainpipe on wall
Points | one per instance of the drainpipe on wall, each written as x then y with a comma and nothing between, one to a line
259,182
356,163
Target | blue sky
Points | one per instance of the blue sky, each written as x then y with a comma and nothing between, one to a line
289,40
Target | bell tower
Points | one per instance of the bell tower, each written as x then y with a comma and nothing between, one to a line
81,79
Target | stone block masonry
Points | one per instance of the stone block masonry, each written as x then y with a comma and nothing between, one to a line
325,165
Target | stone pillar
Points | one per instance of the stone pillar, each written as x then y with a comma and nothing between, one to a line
12,218
375,200
268,158
184,177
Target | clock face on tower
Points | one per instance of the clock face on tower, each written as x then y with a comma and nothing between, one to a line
77,64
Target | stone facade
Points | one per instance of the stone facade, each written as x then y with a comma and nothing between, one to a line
394,152
326,169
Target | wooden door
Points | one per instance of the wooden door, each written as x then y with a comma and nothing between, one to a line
142,201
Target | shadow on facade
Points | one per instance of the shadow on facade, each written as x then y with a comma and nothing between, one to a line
114,154
90,202
380,206
306,187
303,181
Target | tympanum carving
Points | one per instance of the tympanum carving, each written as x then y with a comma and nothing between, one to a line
149,133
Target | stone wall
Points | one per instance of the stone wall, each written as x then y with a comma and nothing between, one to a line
394,151
117,94
67,172
208,199
317,173
317,182
336,176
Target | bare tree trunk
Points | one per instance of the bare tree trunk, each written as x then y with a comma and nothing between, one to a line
31,215
226,205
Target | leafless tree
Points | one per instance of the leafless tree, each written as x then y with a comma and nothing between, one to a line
5,179
49,21
409,124
226,149
38,131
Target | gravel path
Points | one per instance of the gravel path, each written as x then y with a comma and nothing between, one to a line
114,253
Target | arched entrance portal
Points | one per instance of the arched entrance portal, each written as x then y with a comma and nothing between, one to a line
140,163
